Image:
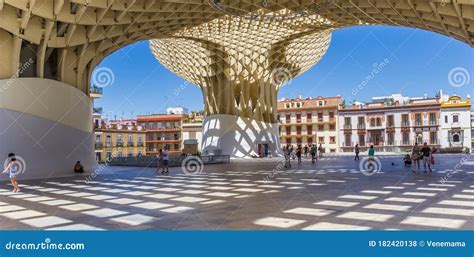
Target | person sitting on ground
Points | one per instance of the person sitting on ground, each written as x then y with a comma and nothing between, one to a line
78,168
407,160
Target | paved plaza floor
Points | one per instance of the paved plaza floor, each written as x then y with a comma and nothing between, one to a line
250,195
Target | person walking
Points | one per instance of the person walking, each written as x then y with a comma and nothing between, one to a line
12,170
314,152
287,154
357,151
305,150
426,153
320,150
371,153
298,153
159,161
166,159
415,156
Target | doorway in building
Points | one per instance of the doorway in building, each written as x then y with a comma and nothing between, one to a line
263,150
375,137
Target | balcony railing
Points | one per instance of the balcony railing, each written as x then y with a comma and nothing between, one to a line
130,144
347,126
140,144
96,90
119,144
97,110
163,128
98,145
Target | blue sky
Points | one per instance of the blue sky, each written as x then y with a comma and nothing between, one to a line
417,63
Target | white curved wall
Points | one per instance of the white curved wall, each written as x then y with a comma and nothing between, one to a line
237,136
48,123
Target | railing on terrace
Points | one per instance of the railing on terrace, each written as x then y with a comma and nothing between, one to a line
96,90
174,161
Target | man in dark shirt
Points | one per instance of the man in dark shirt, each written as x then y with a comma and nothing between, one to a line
426,152
78,168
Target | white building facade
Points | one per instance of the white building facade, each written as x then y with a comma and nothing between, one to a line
391,124
456,122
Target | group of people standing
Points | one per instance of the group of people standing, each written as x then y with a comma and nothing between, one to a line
296,153
371,152
418,154
425,154
163,158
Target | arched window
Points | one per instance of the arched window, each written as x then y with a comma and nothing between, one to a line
456,138
455,118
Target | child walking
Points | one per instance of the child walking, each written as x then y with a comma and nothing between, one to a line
12,170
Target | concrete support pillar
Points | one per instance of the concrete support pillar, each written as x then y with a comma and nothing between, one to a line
239,137
240,80
46,123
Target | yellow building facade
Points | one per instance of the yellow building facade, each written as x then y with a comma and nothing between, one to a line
119,139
